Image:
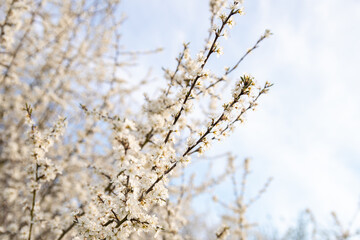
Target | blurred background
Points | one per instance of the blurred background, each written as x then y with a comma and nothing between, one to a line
305,132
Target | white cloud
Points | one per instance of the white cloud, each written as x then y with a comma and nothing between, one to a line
311,117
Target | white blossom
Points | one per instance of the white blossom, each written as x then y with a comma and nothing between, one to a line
111,168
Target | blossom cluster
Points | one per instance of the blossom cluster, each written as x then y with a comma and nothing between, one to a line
108,169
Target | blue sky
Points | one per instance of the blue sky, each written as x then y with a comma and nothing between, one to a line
305,132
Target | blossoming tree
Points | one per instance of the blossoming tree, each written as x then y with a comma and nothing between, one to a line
102,170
